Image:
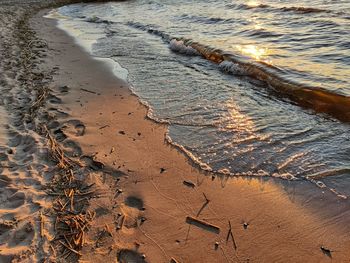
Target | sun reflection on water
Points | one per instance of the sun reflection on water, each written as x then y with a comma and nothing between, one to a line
257,53
238,121
253,3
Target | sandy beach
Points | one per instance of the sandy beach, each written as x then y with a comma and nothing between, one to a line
86,177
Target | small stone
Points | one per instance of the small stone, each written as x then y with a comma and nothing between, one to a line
143,256
217,245
245,225
119,191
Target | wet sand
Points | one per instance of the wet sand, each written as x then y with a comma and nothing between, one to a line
148,202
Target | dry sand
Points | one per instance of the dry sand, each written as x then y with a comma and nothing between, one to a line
147,195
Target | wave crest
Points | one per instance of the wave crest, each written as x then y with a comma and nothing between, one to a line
180,47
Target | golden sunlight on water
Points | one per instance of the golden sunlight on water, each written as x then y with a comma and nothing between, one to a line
237,120
257,53
253,3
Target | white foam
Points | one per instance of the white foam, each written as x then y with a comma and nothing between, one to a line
180,47
85,40
232,68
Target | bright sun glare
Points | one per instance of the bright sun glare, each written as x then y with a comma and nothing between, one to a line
253,3
253,51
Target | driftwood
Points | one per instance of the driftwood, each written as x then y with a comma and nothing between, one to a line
202,224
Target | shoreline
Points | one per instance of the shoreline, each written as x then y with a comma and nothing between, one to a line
143,195
151,182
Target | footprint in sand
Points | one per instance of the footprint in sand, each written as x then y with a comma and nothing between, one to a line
72,148
54,112
74,127
131,215
63,89
135,202
59,135
11,198
127,256
54,99
22,236
4,180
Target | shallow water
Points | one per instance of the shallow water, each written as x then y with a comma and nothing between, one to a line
248,88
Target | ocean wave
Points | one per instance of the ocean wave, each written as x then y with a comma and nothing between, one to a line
97,20
246,6
304,10
150,29
297,9
316,98
261,33
203,19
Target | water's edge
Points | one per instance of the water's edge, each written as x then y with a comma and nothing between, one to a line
122,73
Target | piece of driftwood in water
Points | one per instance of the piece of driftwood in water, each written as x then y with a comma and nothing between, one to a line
202,224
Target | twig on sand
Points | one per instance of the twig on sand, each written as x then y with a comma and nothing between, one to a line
230,234
57,154
204,205
105,126
202,224
41,225
71,249
89,91
206,198
173,260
